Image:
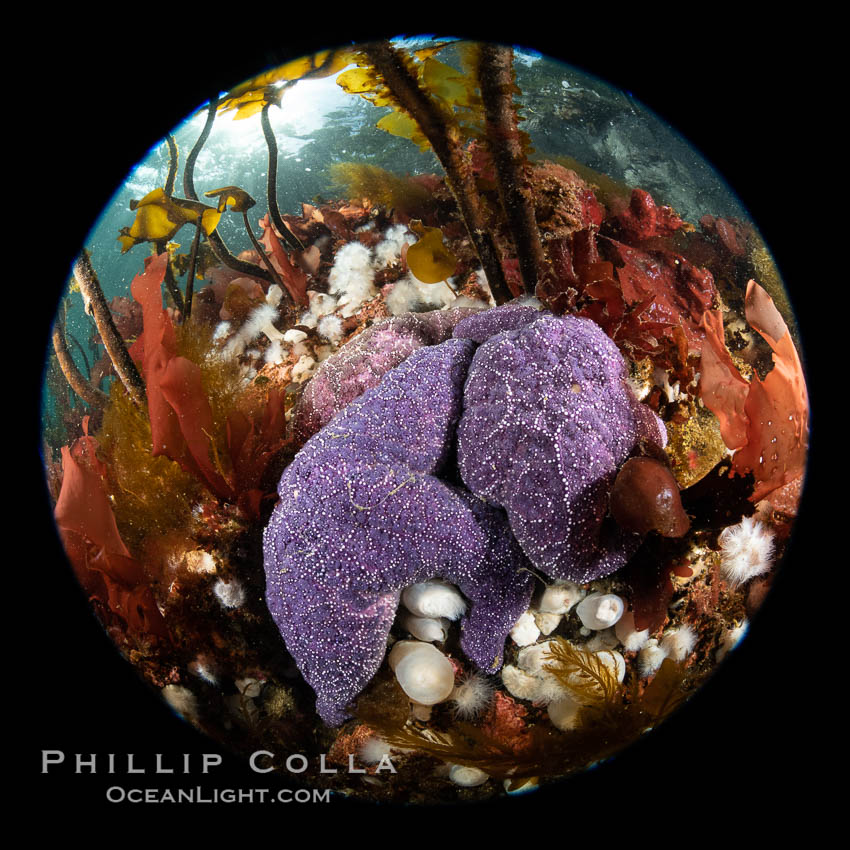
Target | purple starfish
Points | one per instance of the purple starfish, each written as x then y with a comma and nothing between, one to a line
362,515
364,360
543,416
548,420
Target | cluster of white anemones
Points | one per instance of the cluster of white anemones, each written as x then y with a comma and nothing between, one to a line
351,284
236,342
259,321
428,677
608,626
351,280
425,674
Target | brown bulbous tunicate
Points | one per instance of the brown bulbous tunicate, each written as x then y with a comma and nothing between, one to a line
645,497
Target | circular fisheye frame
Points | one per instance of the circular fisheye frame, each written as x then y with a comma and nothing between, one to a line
424,418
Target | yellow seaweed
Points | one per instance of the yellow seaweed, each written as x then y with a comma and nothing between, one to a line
454,90
251,96
429,260
150,496
583,674
358,81
447,83
239,199
159,217
402,125
358,180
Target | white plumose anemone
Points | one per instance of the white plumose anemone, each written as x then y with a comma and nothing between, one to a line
650,658
746,550
472,696
182,700
230,594
352,278
632,639
679,643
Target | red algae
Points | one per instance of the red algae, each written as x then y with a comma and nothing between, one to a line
294,279
765,420
506,722
101,561
644,219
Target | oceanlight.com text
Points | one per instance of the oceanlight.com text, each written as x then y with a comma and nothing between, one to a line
119,794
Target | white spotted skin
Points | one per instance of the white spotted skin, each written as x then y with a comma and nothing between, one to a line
549,417
370,518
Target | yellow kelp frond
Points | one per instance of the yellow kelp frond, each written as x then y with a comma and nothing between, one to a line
155,196
251,96
469,53
453,87
127,241
239,199
402,125
159,217
156,218
321,64
429,260
454,90
366,81
359,180
427,52
458,89
192,210
251,102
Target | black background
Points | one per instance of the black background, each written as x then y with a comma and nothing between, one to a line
90,100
